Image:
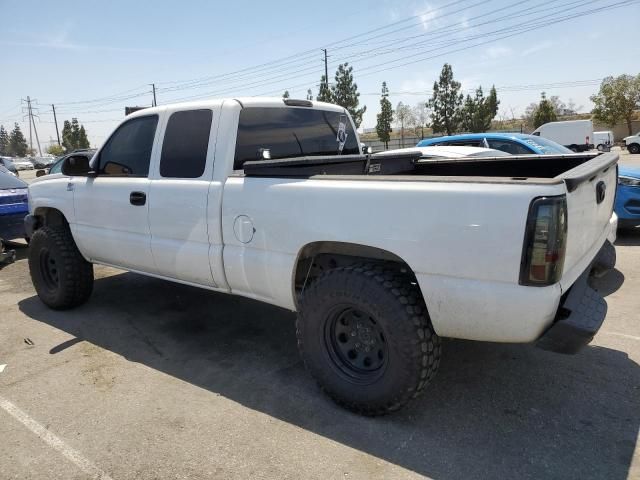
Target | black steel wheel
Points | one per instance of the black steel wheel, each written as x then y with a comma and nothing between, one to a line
356,344
49,270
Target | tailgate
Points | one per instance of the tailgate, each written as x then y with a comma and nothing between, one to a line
591,189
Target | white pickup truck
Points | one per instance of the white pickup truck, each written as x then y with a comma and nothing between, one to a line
380,255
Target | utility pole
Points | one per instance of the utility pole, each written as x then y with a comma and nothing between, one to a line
55,120
29,115
32,122
326,68
154,104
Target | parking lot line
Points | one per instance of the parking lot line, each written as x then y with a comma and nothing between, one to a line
618,334
54,441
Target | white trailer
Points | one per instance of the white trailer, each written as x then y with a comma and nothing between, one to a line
576,135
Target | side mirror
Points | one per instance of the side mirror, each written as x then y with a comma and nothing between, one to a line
76,166
365,149
40,173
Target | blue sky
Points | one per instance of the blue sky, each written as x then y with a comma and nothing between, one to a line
104,54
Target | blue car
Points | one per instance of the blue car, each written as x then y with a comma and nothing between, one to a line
13,206
627,205
513,143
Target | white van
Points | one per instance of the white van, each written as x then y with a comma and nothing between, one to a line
603,140
576,135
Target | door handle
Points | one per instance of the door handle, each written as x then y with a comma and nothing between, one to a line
137,198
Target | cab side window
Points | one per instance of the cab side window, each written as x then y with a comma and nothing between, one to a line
184,150
128,151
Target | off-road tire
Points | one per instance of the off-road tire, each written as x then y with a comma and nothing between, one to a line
62,278
390,297
634,148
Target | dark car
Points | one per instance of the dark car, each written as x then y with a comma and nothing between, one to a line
7,163
42,162
14,206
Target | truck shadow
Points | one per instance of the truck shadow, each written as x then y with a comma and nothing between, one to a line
628,238
494,411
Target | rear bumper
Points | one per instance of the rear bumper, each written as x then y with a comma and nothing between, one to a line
582,309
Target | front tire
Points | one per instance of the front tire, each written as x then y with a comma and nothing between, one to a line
62,278
365,335
634,148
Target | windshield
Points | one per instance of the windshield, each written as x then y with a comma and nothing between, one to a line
545,145
9,181
56,167
7,162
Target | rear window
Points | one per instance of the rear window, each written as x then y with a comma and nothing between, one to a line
546,145
292,132
184,150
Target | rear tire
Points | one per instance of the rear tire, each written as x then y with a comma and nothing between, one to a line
634,148
62,278
600,147
365,335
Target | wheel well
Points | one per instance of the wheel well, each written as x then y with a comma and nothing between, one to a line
318,257
51,217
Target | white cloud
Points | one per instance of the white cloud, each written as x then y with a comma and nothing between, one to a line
537,48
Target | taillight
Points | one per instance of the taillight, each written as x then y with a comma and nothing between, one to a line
545,242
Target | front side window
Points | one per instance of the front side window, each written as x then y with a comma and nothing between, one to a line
128,151
292,132
184,150
510,147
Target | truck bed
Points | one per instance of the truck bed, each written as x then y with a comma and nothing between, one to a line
515,168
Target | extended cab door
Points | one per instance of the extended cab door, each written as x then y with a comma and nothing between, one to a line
112,209
179,197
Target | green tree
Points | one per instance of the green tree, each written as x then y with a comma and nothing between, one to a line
17,143
55,150
616,100
4,142
83,141
285,94
478,111
446,103
74,135
545,112
67,140
309,95
324,93
491,107
385,117
345,93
